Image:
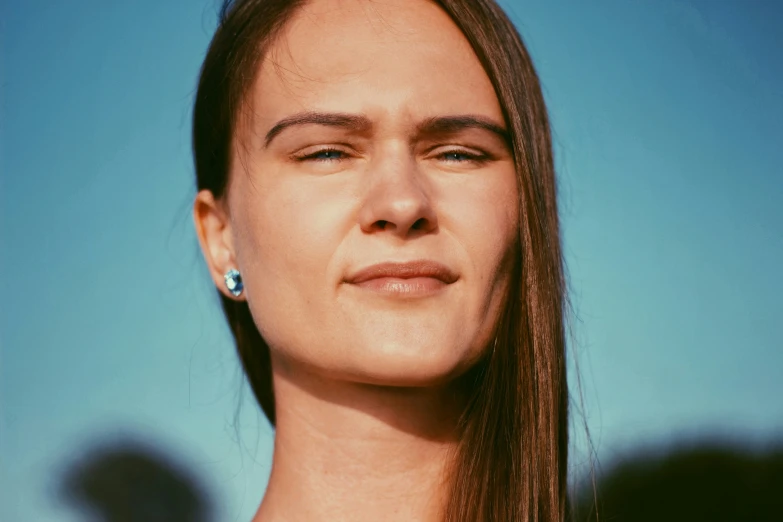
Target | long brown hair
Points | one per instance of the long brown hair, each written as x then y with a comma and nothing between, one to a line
512,458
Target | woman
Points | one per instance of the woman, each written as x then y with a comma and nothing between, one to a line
377,207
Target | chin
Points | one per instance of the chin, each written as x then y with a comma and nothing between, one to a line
399,363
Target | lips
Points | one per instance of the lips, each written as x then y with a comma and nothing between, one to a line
413,279
404,271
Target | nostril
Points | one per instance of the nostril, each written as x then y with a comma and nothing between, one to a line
419,224
382,224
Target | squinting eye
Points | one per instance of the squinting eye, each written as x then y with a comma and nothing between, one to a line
324,155
461,156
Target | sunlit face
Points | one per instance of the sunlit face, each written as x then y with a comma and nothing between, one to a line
376,137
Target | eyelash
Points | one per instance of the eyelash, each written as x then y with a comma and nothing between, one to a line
469,157
314,156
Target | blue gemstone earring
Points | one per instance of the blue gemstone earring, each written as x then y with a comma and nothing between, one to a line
234,282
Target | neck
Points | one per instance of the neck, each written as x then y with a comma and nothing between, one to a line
350,451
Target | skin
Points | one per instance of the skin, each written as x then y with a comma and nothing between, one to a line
364,381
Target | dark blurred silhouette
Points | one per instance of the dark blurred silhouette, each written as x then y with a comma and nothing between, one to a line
130,481
712,482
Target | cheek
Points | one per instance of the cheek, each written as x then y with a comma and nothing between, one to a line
289,231
485,219
290,227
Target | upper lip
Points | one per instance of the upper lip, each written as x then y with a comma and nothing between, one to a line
406,270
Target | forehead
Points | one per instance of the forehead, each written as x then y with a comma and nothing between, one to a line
396,57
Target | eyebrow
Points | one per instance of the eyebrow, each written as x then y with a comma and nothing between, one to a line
455,124
356,122
330,119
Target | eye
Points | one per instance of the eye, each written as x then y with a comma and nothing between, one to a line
461,156
325,155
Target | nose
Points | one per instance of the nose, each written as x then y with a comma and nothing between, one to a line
398,199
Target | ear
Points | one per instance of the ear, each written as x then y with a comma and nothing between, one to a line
213,229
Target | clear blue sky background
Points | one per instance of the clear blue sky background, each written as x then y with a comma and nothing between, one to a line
668,119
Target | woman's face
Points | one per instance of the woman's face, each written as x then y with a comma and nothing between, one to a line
375,137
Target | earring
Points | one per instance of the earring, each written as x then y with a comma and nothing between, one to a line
234,282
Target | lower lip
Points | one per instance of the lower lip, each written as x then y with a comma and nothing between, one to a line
411,287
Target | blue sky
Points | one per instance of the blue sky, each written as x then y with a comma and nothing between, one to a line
668,122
